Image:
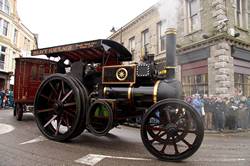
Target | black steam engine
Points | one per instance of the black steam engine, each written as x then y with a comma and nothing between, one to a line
94,89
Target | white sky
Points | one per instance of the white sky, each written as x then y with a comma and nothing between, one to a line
67,21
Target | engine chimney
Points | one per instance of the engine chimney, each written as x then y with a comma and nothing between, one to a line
170,52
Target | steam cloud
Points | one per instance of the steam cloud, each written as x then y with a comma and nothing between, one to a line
168,11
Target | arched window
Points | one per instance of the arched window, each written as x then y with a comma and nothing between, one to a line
5,6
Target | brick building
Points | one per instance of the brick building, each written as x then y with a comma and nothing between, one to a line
212,44
15,40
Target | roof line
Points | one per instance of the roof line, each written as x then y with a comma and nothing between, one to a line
153,7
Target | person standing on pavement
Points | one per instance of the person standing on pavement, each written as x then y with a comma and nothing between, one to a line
197,104
231,114
248,109
220,113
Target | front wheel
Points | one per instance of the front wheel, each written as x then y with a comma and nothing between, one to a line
172,130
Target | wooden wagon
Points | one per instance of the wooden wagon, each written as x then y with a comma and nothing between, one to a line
29,73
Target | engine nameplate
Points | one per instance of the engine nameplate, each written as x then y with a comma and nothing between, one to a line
119,74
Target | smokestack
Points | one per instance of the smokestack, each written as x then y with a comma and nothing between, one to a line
170,52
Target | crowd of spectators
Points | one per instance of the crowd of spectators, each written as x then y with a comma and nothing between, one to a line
222,113
6,99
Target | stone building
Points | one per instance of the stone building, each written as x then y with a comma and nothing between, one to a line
15,41
212,44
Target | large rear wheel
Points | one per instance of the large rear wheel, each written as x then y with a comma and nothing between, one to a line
84,106
58,107
172,130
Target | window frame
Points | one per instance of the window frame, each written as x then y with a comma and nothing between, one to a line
242,13
131,42
191,85
15,36
145,40
4,27
3,52
190,26
161,36
242,83
5,6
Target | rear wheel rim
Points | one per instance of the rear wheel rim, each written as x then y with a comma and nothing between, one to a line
58,107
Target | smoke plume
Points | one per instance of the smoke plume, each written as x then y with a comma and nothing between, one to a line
168,11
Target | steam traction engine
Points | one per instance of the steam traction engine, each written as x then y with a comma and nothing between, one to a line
100,93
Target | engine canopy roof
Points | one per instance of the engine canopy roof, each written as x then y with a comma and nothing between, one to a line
97,51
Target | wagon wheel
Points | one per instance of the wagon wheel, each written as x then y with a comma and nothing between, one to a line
19,111
57,107
84,106
172,130
14,110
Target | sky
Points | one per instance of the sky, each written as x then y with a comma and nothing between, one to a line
67,21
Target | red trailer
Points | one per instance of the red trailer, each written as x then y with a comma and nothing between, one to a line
29,73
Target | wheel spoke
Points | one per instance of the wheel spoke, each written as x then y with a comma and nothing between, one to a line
187,143
63,90
67,95
45,110
53,88
157,137
69,113
60,94
67,122
165,145
69,104
53,118
175,146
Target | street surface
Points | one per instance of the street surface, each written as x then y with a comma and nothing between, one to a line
21,143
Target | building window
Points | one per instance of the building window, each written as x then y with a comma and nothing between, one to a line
192,15
161,36
2,56
15,36
145,41
4,6
194,84
26,44
132,45
242,84
243,13
13,60
4,25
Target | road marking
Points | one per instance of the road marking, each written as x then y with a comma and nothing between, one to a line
4,128
219,160
38,139
92,159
